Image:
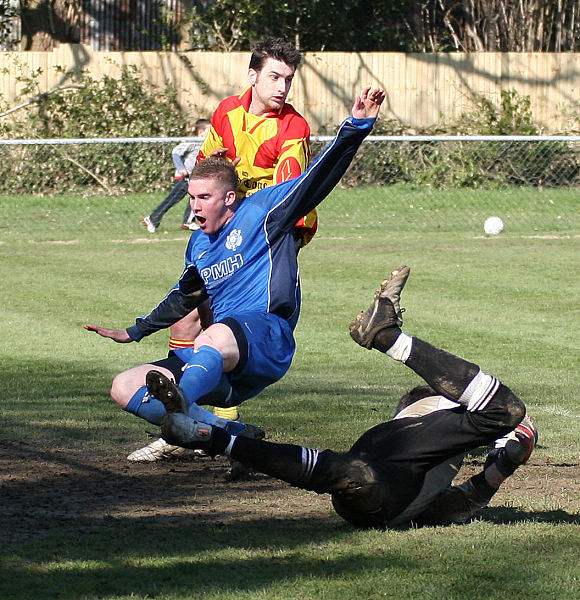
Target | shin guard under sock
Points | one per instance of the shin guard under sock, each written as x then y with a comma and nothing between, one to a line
201,373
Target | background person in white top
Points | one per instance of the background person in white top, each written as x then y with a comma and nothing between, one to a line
184,156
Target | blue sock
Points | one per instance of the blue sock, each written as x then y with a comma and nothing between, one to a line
149,408
201,375
145,406
197,413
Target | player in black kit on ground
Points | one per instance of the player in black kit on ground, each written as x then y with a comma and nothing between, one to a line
399,471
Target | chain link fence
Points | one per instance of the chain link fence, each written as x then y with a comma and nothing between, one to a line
439,181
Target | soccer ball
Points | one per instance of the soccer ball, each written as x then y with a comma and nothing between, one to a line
493,226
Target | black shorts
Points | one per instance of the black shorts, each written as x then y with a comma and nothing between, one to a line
173,363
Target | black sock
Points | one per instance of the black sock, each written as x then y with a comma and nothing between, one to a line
385,338
446,373
283,461
483,488
504,465
220,439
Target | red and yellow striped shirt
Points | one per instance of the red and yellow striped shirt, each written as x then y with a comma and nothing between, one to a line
272,148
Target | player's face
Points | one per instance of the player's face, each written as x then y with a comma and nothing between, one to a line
211,203
203,131
270,86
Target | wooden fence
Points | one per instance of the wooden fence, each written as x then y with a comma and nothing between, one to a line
421,87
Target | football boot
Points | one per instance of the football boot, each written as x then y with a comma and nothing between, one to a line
383,312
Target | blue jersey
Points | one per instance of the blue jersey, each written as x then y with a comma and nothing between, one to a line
251,264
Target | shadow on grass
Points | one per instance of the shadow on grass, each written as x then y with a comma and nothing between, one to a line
67,404
80,525
154,565
83,525
88,524
505,515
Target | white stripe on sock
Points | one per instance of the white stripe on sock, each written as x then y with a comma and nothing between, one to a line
229,447
479,392
401,349
309,460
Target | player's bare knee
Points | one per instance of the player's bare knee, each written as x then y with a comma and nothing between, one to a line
120,391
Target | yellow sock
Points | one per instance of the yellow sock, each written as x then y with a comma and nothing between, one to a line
226,413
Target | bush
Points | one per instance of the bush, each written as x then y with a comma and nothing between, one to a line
482,164
124,107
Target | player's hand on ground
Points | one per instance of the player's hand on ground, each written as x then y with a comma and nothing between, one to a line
368,104
118,335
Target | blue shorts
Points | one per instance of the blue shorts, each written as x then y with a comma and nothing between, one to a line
267,347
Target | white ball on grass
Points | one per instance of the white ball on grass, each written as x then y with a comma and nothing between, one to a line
493,226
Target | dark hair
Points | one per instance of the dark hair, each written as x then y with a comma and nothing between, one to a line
201,124
217,168
277,48
362,494
414,395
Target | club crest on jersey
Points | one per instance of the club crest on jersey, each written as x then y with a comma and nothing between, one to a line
234,240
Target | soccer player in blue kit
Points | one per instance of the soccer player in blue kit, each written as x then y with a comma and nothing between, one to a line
244,258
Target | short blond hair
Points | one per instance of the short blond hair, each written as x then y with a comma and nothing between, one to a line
218,169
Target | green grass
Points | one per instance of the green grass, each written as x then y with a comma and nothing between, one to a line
510,303
305,561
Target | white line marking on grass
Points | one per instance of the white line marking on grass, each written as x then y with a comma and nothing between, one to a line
148,240
57,242
550,237
530,237
555,410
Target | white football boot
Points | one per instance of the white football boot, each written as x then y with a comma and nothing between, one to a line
157,450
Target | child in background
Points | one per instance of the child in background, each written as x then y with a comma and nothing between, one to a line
184,156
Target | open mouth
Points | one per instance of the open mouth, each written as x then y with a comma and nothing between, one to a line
200,220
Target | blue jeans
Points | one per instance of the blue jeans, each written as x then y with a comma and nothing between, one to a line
175,195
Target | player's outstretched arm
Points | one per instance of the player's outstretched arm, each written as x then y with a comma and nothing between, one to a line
118,335
368,104
306,192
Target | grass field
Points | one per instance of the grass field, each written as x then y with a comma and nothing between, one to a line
79,522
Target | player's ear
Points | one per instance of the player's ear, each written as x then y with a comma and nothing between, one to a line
230,198
252,76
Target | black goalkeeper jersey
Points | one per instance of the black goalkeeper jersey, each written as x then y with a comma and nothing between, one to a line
402,451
